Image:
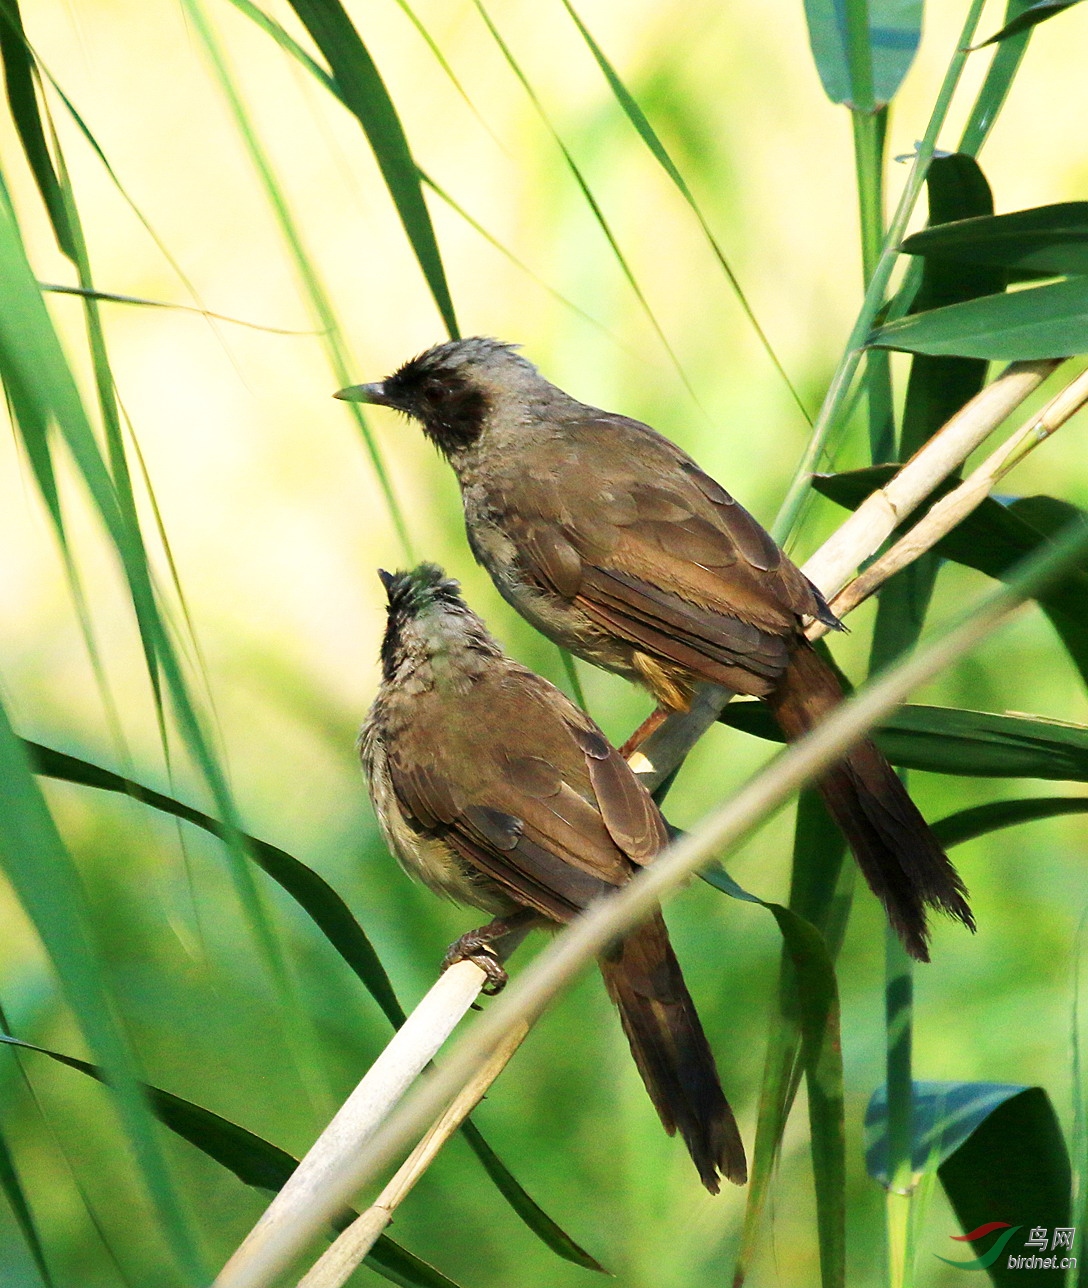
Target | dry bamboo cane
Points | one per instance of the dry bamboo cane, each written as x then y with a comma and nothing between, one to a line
882,512
958,504
388,1078
336,1263
408,1053
449,999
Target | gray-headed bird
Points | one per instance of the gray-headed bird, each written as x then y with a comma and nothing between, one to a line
613,542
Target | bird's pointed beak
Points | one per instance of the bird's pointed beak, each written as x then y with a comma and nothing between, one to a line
374,393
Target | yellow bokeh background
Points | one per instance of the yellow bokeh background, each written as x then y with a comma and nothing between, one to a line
276,524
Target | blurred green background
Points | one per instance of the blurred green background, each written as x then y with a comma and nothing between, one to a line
276,524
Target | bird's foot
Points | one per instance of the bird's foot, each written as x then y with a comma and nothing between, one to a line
650,725
475,947
478,946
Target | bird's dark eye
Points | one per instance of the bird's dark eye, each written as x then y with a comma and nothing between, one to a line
435,391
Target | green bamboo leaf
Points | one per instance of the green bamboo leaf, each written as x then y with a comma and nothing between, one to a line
813,1004
20,83
591,201
944,1115
534,1216
860,67
1029,522
938,386
47,886
114,297
292,47
287,42
1030,17
443,62
334,919
33,423
979,820
820,893
255,1162
1014,1167
33,365
946,740
35,440
1049,241
310,891
73,1171
364,94
649,136
24,1217
304,266
1045,322
520,265
995,87
115,179
21,74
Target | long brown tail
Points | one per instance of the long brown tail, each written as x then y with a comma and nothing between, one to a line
643,978
900,857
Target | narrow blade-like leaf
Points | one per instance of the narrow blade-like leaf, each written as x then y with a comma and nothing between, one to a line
13,1190
945,1114
534,1216
252,1159
995,87
938,386
1043,241
19,81
993,539
634,113
1014,1167
47,886
364,94
948,740
334,919
312,892
1045,322
1031,17
812,1002
980,820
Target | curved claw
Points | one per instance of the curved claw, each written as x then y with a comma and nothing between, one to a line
472,947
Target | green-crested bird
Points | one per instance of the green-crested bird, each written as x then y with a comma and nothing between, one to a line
496,791
614,543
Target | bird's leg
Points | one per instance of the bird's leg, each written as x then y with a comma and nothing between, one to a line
650,725
477,946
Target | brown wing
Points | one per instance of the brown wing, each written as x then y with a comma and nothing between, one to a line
526,790
621,522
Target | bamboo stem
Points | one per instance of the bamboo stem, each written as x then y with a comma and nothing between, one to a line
409,1052
336,1264
839,388
877,517
959,503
